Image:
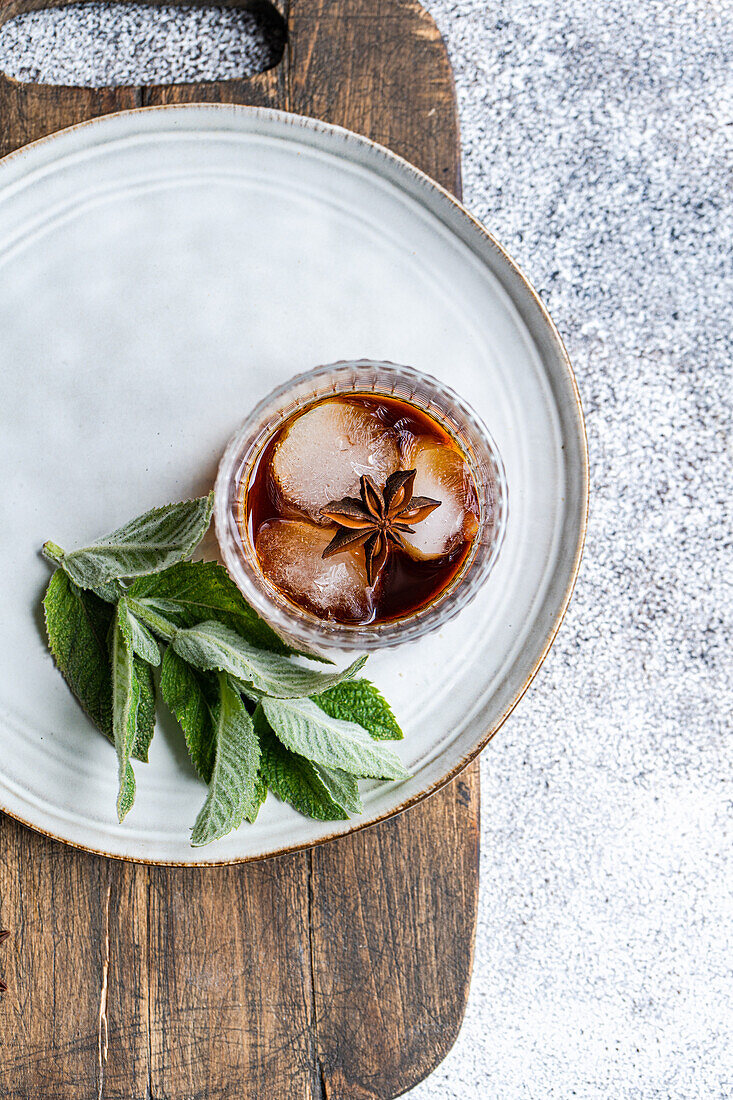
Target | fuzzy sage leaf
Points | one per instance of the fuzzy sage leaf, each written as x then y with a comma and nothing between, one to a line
125,702
342,787
233,793
143,642
151,542
304,728
211,645
298,781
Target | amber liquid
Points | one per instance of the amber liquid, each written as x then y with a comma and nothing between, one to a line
405,585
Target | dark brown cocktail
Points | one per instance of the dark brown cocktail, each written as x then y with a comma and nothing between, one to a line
361,508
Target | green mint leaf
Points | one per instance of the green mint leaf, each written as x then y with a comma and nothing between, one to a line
152,619
304,728
143,643
52,553
194,592
342,787
260,794
211,645
125,702
293,778
232,790
126,795
192,696
145,727
359,701
110,591
151,542
77,624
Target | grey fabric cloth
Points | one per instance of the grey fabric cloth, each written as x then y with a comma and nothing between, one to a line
595,146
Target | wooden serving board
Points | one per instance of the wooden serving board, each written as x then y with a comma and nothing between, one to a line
341,972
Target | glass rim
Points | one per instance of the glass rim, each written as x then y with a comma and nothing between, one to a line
303,628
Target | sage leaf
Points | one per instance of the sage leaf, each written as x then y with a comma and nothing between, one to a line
125,702
211,645
359,701
297,780
191,696
192,592
77,625
304,728
151,542
232,790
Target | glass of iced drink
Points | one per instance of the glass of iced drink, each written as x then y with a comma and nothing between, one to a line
360,505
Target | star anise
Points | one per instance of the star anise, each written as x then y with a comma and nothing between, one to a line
378,519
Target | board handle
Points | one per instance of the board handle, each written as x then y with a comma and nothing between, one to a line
351,62
30,111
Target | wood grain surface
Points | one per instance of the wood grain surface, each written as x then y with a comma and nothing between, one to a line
341,972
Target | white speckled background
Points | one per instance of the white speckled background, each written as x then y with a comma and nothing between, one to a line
596,145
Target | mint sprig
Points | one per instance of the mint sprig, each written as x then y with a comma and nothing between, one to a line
254,716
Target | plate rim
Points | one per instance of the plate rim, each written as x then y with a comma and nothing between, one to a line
421,178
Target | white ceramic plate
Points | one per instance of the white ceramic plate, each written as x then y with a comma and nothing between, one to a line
160,271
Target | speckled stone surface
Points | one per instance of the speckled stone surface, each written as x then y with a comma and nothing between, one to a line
596,147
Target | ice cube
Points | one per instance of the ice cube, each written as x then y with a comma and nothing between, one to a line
325,452
290,553
443,475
